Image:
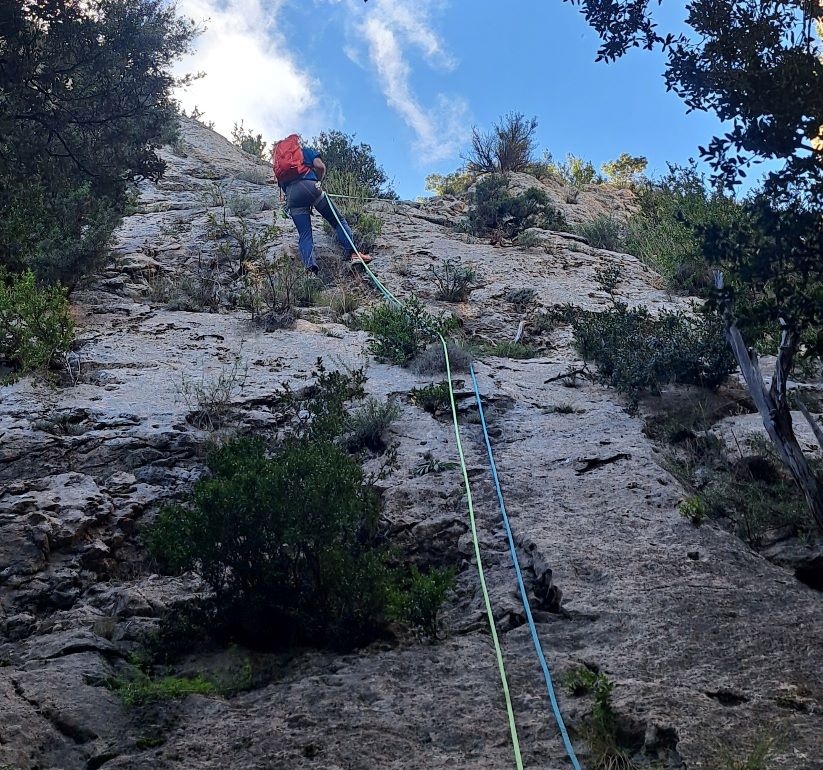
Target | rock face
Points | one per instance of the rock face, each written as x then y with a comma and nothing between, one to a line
709,645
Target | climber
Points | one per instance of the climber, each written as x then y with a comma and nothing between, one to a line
299,171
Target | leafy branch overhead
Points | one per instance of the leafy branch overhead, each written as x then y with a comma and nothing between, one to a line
758,67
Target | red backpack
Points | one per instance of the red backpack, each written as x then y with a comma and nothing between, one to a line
288,160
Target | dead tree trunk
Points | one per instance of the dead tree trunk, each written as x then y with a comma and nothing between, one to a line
773,405
815,425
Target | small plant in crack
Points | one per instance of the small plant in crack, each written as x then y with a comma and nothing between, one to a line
600,730
431,465
453,281
210,397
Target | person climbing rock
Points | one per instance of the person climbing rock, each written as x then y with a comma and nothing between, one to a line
299,171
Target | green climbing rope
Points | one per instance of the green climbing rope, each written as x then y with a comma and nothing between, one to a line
486,600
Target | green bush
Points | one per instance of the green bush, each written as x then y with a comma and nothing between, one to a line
608,278
527,239
602,232
420,598
454,282
35,324
287,538
754,506
367,425
366,227
636,352
287,543
432,361
664,233
625,171
399,334
576,172
516,350
521,298
248,141
432,398
238,238
342,156
493,210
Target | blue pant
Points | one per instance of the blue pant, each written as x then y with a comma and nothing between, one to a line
301,197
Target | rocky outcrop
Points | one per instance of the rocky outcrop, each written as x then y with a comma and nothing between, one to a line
707,642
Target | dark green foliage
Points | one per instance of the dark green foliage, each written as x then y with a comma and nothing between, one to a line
321,412
287,543
493,210
287,538
248,141
432,398
752,494
35,324
754,506
239,239
602,232
343,156
665,233
420,598
454,282
755,65
86,94
637,352
401,333
583,680
775,273
508,147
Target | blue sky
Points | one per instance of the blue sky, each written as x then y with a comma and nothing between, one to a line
411,78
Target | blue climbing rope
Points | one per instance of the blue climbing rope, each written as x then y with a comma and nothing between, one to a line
523,596
512,550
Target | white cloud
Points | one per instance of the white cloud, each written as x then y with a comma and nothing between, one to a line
392,30
249,74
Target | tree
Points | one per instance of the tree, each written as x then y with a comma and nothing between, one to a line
341,154
625,170
509,146
86,94
757,66
248,141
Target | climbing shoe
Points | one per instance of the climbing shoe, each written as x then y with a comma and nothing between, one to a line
314,269
358,257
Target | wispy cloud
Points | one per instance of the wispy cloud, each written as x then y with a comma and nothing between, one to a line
249,73
392,30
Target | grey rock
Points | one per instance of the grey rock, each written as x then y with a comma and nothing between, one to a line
706,641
